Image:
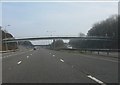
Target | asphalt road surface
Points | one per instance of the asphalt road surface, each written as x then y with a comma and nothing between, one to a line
48,66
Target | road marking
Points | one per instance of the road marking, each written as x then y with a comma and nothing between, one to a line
109,60
19,62
61,60
14,54
27,56
53,55
96,80
103,59
30,54
5,56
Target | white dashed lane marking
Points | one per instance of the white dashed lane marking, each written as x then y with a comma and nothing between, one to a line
96,80
61,60
30,54
27,56
53,55
19,62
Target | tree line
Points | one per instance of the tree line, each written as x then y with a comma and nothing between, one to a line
7,46
105,28
11,45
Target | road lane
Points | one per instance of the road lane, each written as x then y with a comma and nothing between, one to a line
102,68
40,67
48,66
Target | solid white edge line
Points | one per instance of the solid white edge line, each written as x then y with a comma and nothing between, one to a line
98,81
61,60
17,54
19,62
103,59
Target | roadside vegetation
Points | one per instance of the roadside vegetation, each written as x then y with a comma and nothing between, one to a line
11,45
7,46
105,28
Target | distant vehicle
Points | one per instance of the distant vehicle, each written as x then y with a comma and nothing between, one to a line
34,48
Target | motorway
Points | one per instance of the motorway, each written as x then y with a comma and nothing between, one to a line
48,66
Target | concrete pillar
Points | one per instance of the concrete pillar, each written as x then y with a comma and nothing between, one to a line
53,43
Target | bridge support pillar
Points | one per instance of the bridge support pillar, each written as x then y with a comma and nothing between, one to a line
53,44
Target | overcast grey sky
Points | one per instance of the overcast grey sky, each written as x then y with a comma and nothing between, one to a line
36,19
